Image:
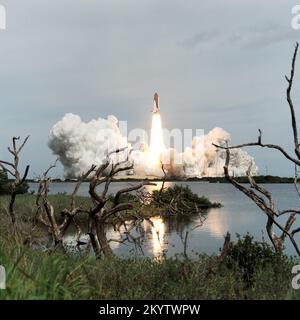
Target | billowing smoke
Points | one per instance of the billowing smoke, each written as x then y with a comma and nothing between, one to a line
79,145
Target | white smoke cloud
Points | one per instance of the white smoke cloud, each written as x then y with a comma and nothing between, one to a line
79,145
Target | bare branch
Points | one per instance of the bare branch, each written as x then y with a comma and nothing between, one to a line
130,189
296,181
22,145
7,163
260,189
268,209
290,102
82,178
260,144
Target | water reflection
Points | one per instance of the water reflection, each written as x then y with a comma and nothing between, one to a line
238,215
216,224
115,238
157,235
155,230
158,186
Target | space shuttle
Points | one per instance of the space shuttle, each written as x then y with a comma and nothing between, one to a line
155,104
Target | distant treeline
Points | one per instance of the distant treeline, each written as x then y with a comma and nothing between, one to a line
258,179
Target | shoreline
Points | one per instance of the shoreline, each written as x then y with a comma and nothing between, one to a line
258,179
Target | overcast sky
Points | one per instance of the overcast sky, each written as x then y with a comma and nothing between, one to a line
214,63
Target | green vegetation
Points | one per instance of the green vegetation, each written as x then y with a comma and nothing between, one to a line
5,185
25,204
39,275
247,256
249,270
179,204
184,197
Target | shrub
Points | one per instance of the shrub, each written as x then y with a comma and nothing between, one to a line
249,255
5,185
183,195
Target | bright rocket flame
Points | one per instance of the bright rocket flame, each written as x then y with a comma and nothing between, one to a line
157,142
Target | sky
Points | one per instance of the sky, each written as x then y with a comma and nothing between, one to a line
214,63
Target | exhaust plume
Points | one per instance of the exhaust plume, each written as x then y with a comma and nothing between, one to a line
80,144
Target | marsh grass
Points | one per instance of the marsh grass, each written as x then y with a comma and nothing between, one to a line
34,274
26,208
25,205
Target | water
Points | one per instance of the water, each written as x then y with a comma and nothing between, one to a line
238,215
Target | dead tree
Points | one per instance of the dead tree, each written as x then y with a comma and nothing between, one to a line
45,212
261,196
104,210
12,168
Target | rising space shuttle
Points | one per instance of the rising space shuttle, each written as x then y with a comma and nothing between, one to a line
155,104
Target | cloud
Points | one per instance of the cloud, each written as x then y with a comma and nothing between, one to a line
201,38
261,37
251,37
96,58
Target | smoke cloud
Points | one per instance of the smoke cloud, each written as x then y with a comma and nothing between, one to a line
80,144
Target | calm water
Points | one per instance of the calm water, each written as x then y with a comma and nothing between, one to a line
238,215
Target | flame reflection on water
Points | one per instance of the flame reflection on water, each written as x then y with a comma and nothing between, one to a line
155,230
157,186
216,224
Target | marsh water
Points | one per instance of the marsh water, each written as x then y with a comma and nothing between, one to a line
238,215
